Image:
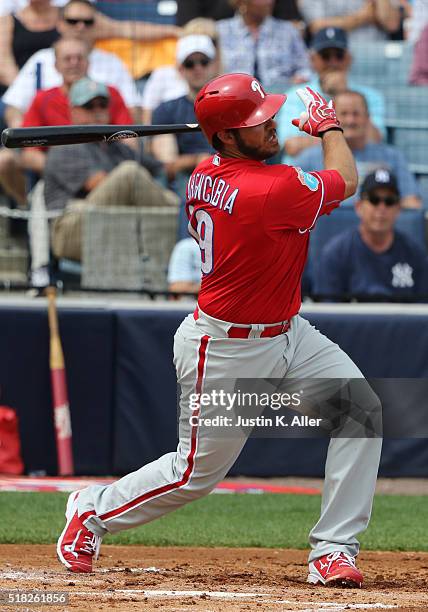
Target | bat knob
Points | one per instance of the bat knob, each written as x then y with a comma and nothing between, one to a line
5,135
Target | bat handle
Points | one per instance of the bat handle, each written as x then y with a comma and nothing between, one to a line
50,293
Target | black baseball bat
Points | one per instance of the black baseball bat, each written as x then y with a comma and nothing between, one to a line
14,138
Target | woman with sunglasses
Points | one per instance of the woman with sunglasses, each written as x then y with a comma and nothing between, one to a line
374,261
22,34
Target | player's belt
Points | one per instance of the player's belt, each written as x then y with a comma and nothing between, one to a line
266,331
241,330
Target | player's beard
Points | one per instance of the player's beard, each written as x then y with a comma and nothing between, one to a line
256,153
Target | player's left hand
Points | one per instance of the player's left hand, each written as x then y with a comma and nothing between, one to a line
319,117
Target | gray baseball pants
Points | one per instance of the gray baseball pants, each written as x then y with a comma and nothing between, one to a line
203,353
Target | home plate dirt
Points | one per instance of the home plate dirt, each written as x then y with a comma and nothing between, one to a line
211,580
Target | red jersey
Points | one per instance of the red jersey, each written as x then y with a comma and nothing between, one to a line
252,222
51,107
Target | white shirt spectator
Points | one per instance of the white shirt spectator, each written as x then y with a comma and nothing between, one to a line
185,262
104,67
164,84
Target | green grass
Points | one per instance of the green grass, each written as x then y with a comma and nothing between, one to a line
398,522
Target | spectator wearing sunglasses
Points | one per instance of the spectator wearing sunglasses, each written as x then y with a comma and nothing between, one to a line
166,82
331,61
353,114
77,20
98,174
374,261
181,153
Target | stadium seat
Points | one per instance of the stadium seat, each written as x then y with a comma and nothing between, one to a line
328,227
127,247
382,64
141,57
407,105
155,11
413,143
412,223
423,186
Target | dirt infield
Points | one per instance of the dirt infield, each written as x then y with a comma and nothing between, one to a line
211,580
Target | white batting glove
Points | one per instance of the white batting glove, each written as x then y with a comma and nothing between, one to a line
319,117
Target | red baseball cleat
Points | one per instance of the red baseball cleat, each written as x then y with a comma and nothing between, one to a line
77,546
336,569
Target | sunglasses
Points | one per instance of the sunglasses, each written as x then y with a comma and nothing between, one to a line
328,54
86,22
387,200
95,104
192,63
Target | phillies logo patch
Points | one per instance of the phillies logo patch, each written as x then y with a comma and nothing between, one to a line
308,180
255,86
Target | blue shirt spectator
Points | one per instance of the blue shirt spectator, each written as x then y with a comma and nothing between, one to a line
348,267
181,110
372,156
270,49
184,270
351,109
374,261
185,262
331,61
181,153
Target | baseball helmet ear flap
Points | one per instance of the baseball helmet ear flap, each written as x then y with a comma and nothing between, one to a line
234,101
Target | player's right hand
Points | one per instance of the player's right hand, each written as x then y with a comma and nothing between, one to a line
319,117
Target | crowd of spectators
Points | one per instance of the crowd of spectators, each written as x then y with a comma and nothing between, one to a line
70,61
97,173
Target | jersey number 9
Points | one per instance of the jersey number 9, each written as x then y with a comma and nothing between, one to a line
205,230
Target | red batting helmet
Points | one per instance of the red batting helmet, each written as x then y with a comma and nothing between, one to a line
234,101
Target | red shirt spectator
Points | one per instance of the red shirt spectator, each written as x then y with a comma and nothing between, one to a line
52,107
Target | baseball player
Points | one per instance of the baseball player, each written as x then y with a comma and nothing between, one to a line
252,224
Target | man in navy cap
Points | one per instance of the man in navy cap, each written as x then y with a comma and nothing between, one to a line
374,261
331,61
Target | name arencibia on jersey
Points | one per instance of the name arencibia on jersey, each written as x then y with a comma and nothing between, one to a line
202,187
